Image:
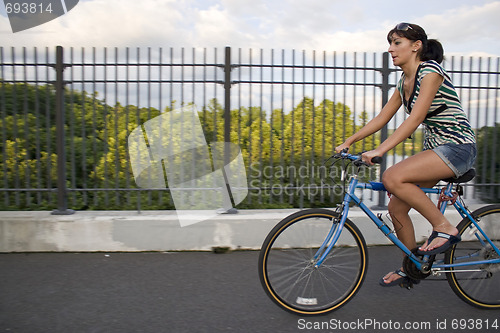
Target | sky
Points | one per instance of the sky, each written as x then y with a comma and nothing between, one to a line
465,27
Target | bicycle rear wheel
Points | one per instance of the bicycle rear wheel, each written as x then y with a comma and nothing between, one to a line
477,284
290,252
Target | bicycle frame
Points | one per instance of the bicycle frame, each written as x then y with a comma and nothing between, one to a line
350,196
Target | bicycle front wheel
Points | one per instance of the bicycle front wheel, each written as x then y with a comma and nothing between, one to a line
477,284
288,263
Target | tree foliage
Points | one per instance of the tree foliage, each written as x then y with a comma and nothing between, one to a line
273,144
488,162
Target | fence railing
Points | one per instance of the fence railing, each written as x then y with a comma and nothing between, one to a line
66,114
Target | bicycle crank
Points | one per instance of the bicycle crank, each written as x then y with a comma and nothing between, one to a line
411,269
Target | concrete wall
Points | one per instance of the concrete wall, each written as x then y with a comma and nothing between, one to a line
115,231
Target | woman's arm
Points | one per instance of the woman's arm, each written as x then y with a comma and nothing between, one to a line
428,88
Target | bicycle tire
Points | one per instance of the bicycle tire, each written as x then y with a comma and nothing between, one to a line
480,288
286,264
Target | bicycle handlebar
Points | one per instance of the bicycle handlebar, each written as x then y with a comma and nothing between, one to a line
357,158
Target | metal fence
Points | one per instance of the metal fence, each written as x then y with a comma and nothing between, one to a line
66,114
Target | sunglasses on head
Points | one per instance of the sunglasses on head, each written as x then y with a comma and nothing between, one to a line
403,26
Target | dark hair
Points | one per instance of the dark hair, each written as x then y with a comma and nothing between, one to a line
431,48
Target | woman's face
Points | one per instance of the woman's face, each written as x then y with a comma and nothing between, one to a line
402,49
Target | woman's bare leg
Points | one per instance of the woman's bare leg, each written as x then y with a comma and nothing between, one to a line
422,168
398,210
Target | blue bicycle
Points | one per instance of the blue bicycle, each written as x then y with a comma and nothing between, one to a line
314,261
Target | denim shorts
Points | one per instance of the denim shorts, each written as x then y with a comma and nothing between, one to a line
459,157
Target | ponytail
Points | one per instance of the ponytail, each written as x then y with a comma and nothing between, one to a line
433,50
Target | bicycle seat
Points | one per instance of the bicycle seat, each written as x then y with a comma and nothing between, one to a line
466,177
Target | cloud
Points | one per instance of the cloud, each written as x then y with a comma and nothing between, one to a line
336,25
471,29
106,23
288,24
216,25
467,23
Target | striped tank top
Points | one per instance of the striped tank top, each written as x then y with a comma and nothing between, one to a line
446,121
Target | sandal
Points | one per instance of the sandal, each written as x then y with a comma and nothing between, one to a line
404,281
450,240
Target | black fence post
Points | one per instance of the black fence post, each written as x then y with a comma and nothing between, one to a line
385,71
227,101
62,191
229,205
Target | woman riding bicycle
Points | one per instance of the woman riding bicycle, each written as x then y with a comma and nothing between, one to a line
429,98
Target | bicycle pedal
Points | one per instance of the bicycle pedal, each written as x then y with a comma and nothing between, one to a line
407,285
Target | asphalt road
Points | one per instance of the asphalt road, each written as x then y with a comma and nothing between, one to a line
205,292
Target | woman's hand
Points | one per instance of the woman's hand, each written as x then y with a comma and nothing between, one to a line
367,156
342,147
